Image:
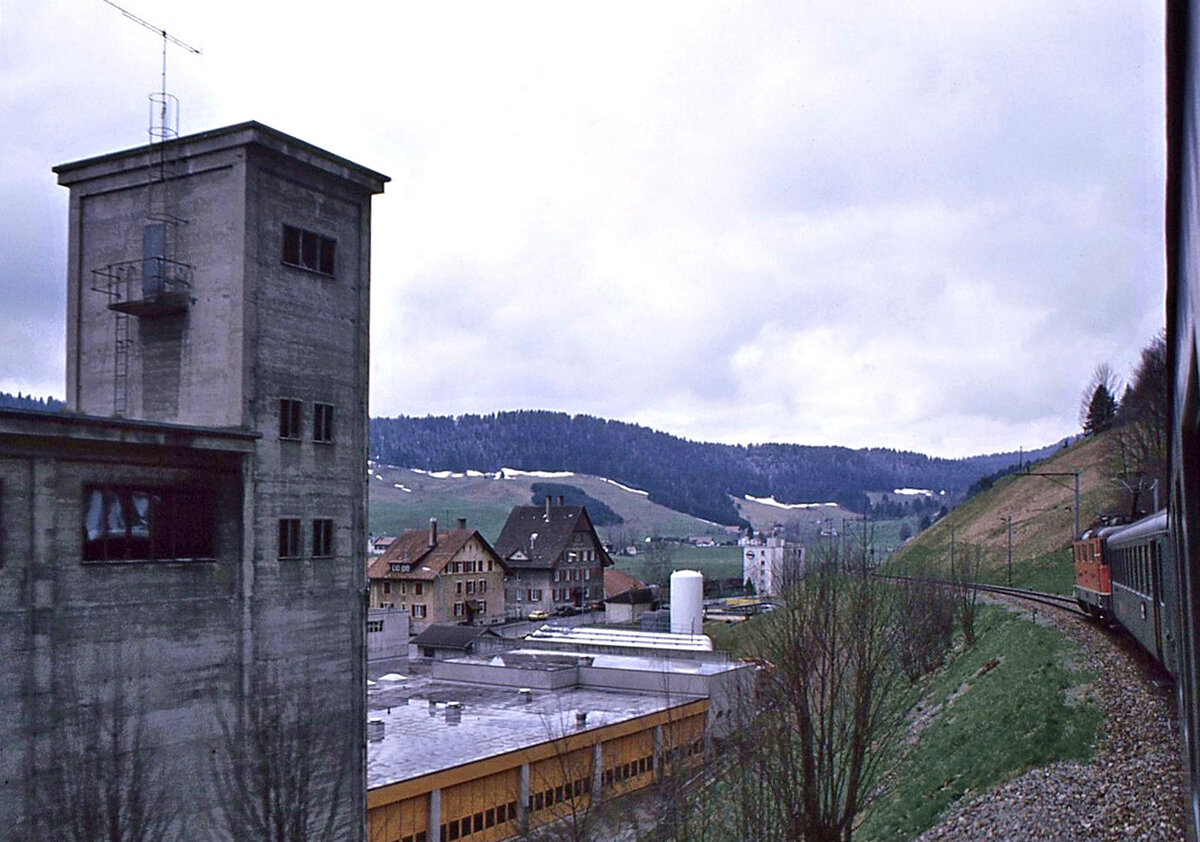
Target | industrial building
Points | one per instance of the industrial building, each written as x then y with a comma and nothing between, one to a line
184,548
536,736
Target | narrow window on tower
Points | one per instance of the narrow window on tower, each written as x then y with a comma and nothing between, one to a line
289,537
322,538
323,423
289,418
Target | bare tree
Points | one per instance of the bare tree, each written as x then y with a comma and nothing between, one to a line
107,783
1140,450
282,773
809,762
964,572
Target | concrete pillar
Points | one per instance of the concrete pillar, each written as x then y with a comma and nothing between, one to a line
658,751
435,816
597,772
523,800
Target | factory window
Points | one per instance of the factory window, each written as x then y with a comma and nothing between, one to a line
308,250
374,626
323,423
289,418
322,538
490,819
289,537
478,822
147,524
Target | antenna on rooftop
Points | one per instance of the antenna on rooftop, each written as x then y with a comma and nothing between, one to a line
164,106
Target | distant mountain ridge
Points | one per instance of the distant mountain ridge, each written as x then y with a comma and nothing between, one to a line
697,478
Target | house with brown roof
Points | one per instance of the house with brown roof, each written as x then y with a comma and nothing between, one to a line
553,558
452,576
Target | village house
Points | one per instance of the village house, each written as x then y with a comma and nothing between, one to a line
553,558
452,576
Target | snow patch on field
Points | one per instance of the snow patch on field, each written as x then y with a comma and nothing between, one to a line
510,473
403,488
624,487
771,501
913,492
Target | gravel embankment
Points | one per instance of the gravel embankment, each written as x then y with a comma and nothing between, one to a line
1130,791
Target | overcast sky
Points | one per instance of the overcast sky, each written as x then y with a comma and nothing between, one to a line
916,225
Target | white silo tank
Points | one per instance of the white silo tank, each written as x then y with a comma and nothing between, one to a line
687,602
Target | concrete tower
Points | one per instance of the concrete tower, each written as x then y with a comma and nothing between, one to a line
186,551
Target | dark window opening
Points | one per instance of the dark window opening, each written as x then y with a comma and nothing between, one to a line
323,422
289,537
147,524
289,418
308,250
322,538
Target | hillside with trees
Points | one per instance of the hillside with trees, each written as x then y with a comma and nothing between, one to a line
697,478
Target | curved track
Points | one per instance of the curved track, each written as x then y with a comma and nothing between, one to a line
1059,601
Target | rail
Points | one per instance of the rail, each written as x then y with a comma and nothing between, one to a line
1059,601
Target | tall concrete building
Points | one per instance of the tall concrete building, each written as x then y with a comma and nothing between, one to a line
182,568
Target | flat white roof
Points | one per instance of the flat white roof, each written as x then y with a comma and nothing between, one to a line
621,638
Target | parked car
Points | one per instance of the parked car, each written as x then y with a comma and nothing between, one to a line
538,615
567,611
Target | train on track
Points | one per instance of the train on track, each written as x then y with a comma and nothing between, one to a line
1182,250
1126,574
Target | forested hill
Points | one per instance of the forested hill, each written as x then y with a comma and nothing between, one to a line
20,401
692,477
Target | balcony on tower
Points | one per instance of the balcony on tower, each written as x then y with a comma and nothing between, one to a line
154,285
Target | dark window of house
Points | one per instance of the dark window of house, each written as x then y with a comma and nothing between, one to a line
323,422
147,524
322,538
289,537
308,250
289,418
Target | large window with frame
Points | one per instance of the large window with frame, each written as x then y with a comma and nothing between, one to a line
128,523
308,250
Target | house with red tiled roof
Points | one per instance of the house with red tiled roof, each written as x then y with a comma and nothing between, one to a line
448,576
553,558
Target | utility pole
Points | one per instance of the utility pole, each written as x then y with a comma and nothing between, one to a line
1008,520
1074,474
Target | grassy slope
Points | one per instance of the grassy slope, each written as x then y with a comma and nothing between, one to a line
997,709
1041,509
1003,705
486,502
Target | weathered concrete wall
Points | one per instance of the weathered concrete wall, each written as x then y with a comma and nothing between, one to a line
390,640
203,637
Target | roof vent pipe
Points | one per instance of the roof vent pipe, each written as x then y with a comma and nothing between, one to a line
547,508
375,730
433,532
525,694
453,713
580,718
462,523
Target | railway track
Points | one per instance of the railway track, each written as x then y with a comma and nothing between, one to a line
1063,603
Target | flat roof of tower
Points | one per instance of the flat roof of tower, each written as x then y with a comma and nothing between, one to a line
239,134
